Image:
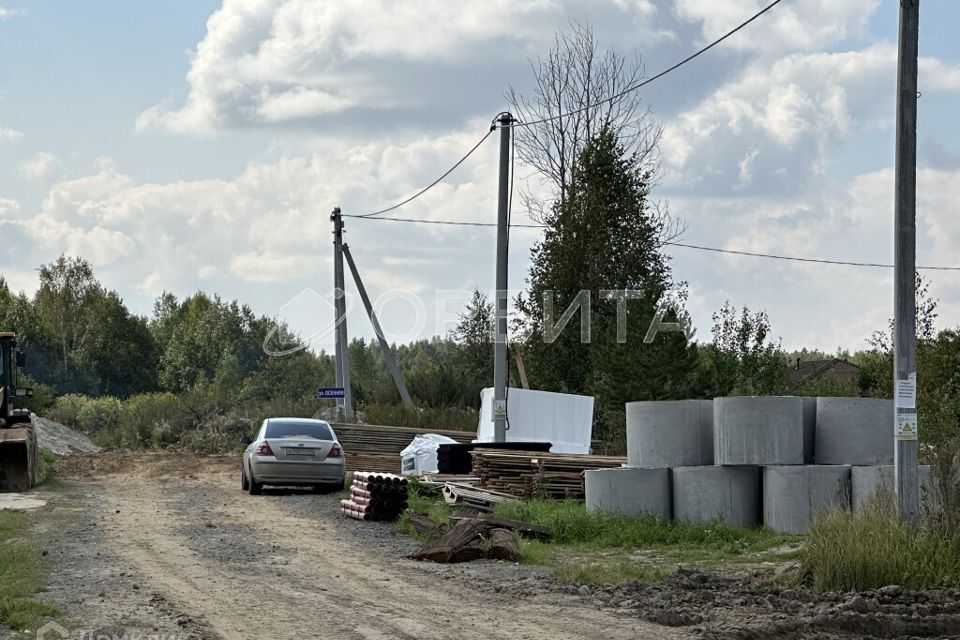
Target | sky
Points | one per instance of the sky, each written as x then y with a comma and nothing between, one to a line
197,145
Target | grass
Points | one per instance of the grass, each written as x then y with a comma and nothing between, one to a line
875,548
421,500
22,574
610,548
571,524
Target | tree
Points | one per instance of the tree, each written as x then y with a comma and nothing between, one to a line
743,359
925,320
475,339
579,92
123,354
65,304
604,237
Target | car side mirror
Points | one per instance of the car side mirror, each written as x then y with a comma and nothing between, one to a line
246,440
21,359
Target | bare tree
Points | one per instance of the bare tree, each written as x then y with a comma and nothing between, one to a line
579,91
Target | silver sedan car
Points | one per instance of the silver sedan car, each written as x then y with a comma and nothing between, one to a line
292,451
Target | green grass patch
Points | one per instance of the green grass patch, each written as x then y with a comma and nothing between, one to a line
611,548
22,574
571,524
423,500
875,548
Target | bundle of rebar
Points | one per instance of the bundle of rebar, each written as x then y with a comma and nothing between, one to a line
375,496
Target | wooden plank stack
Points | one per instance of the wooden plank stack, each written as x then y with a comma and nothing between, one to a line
455,458
376,448
552,475
375,496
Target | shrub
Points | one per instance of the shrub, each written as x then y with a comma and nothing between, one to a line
67,408
157,419
99,415
217,434
874,548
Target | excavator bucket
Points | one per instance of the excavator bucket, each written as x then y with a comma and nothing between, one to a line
18,459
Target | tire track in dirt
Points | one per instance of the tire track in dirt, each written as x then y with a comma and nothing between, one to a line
297,578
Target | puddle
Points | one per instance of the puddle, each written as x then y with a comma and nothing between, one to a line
19,502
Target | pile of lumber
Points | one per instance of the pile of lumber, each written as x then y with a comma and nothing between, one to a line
552,475
375,496
464,540
455,458
376,448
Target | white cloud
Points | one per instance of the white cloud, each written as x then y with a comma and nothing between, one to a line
818,305
779,119
268,226
799,25
9,208
280,61
10,135
42,166
6,14
936,74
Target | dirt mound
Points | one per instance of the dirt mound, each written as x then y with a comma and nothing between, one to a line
61,439
86,466
739,608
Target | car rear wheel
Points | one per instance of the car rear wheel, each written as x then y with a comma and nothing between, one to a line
253,487
244,484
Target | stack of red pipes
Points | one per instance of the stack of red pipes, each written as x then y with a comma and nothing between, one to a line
375,496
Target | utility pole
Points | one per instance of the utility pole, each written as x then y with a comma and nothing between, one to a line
340,318
505,120
905,269
384,345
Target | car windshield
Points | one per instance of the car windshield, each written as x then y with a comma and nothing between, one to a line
316,430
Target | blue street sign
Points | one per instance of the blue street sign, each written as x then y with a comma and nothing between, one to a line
327,393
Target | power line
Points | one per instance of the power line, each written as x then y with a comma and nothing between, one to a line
656,77
634,87
454,223
432,184
799,259
751,254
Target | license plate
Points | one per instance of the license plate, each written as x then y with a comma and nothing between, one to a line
306,453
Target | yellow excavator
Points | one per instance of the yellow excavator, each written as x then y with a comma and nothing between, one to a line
18,441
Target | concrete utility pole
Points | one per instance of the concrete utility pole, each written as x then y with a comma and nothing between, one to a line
503,245
340,317
905,255
384,345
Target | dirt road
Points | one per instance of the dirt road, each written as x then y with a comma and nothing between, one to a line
166,545
169,544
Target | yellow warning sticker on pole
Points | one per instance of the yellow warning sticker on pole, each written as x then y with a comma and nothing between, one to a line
906,428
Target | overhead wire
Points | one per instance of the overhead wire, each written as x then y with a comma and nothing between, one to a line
518,123
684,245
647,81
373,215
429,186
